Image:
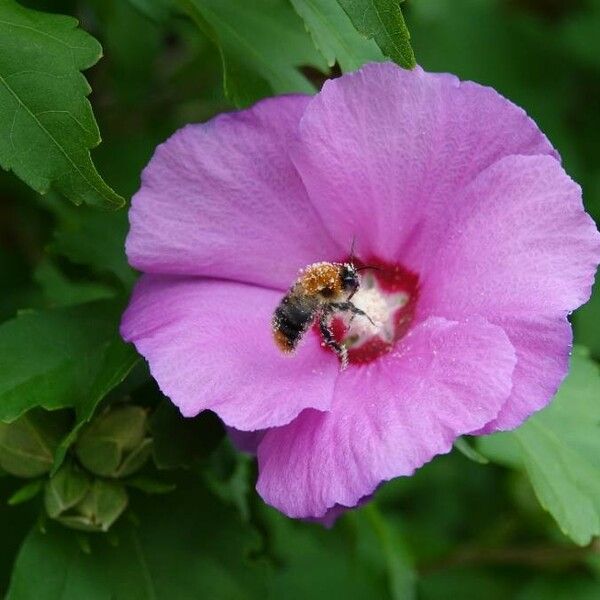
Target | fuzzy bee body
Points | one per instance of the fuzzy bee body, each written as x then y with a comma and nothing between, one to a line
320,290
292,318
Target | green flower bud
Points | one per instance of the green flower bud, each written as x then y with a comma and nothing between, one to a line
65,490
116,444
75,500
27,445
104,503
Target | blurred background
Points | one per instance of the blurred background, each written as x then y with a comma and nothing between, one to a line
458,528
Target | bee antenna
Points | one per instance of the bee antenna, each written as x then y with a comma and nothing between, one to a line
369,267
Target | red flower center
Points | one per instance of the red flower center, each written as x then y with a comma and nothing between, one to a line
388,295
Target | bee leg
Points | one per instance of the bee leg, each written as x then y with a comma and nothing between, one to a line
329,340
349,307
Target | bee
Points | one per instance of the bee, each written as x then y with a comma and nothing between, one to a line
321,290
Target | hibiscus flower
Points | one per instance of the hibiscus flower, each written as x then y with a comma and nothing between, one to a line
482,249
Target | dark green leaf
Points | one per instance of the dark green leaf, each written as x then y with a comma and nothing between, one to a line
587,321
157,10
562,587
148,485
320,564
179,442
560,450
382,546
262,44
59,290
580,34
69,357
228,475
335,36
116,362
46,123
465,583
92,238
382,20
186,546
27,492
15,523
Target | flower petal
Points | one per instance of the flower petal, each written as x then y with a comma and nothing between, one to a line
521,244
522,252
543,347
222,199
209,345
382,152
245,441
388,418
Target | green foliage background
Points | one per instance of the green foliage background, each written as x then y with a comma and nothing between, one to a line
85,512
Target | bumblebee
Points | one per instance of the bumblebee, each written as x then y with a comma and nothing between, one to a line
321,290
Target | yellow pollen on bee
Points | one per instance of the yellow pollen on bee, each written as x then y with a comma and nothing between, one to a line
318,276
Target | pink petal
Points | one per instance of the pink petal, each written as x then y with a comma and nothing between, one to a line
222,199
245,441
543,348
389,417
522,252
209,345
521,244
383,152
329,519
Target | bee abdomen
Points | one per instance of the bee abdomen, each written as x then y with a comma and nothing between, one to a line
292,318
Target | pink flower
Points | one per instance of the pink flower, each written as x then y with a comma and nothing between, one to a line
483,248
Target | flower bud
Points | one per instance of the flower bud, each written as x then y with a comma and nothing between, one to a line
116,444
65,490
76,501
27,445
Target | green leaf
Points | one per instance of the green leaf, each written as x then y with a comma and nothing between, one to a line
47,127
15,523
157,10
149,485
27,445
27,492
467,450
59,290
185,546
320,564
179,442
116,362
580,34
61,358
92,238
586,320
335,36
382,545
561,587
560,450
382,20
262,44
64,358
228,476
